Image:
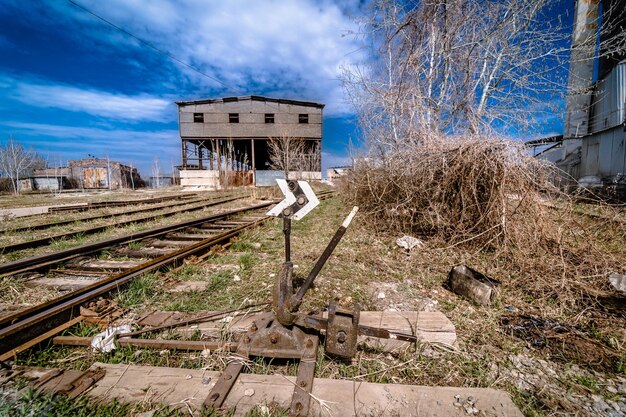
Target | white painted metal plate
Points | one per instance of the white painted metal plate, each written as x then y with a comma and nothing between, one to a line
287,202
310,195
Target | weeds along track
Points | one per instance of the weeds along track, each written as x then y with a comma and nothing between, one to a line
160,211
89,271
95,269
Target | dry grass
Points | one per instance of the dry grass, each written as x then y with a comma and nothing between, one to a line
565,282
474,188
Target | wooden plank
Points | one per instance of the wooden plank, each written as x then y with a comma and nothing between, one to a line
60,283
40,339
189,387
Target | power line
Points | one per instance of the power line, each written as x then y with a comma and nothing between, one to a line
149,45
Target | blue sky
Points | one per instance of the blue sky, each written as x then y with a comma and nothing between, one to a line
72,85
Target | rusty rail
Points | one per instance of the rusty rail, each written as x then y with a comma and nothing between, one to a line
32,322
35,243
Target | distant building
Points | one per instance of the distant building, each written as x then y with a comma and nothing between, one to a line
594,133
88,173
335,173
226,141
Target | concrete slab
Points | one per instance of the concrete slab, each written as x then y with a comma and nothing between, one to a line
188,388
60,283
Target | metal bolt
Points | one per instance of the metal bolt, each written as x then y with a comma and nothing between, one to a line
299,407
228,377
291,185
214,396
254,328
274,338
302,384
341,337
287,211
301,201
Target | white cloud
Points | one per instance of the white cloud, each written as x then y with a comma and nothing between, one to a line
330,160
140,107
293,49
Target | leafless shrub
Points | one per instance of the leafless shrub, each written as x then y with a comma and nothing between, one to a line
463,189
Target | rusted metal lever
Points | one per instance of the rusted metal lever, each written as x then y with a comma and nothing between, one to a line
296,299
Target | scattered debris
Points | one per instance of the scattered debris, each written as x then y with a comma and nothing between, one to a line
103,312
563,341
472,284
409,242
618,281
105,341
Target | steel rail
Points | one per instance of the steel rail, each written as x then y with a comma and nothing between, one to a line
35,321
17,329
115,203
40,261
35,243
44,226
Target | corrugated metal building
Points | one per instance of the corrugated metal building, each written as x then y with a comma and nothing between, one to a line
596,110
225,141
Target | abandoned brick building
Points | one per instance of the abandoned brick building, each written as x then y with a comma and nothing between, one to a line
227,141
88,173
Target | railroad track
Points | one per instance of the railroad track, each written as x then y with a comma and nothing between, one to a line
163,246
188,206
117,203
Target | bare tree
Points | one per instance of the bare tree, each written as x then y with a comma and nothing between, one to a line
16,162
456,66
156,173
286,153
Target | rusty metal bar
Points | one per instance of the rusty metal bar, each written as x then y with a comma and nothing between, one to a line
301,398
224,384
151,343
296,300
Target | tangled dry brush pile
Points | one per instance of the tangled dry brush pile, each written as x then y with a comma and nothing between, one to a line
475,188
485,195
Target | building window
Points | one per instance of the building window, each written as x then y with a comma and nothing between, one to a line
303,118
198,117
233,117
269,117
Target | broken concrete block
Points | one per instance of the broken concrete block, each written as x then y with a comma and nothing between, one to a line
473,285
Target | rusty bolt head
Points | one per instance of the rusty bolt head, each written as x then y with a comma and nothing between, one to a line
274,338
214,396
299,407
228,377
254,328
302,384
341,337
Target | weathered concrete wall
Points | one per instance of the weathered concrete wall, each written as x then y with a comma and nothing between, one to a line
251,120
198,178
